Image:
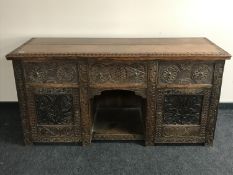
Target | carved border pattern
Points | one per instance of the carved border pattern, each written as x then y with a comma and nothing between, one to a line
20,86
151,103
216,89
85,103
159,113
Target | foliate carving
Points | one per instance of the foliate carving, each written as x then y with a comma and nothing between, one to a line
54,109
117,73
185,73
182,109
169,74
54,114
201,73
51,72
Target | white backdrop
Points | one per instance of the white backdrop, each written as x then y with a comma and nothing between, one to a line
23,19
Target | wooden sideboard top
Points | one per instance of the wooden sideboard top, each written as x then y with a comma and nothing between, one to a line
120,48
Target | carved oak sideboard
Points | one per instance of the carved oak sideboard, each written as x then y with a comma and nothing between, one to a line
160,90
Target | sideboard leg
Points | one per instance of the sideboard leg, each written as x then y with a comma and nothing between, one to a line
28,142
148,143
209,142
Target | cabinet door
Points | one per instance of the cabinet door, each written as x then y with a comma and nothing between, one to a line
181,115
54,114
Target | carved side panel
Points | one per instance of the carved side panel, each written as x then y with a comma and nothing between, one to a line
101,73
50,72
20,85
185,73
54,114
151,102
85,103
216,90
181,115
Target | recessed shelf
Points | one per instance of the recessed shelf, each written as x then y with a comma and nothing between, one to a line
118,124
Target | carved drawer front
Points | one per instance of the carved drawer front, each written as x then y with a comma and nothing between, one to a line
182,115
185,72
54,114
49,72
105,74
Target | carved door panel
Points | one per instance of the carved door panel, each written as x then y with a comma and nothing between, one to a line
181,115
54,114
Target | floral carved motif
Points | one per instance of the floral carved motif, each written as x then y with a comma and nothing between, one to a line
51,72
182,109
117,73
185,73
169,74
54,109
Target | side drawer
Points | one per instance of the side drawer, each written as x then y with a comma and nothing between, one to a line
181,73
51,72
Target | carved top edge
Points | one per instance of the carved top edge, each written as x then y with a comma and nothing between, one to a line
123,49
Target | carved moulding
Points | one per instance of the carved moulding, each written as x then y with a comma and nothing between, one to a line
185,73
50,72
191,121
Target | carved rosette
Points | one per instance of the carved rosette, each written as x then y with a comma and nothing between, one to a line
169,74
51,72
185,73
201,73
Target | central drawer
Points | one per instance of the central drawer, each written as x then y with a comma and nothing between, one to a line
112,74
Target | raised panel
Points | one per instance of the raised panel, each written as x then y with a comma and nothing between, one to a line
54,114
117,73
185,73
181,115
182,109
51,72
54,109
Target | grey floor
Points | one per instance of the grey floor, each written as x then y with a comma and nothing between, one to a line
112,157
